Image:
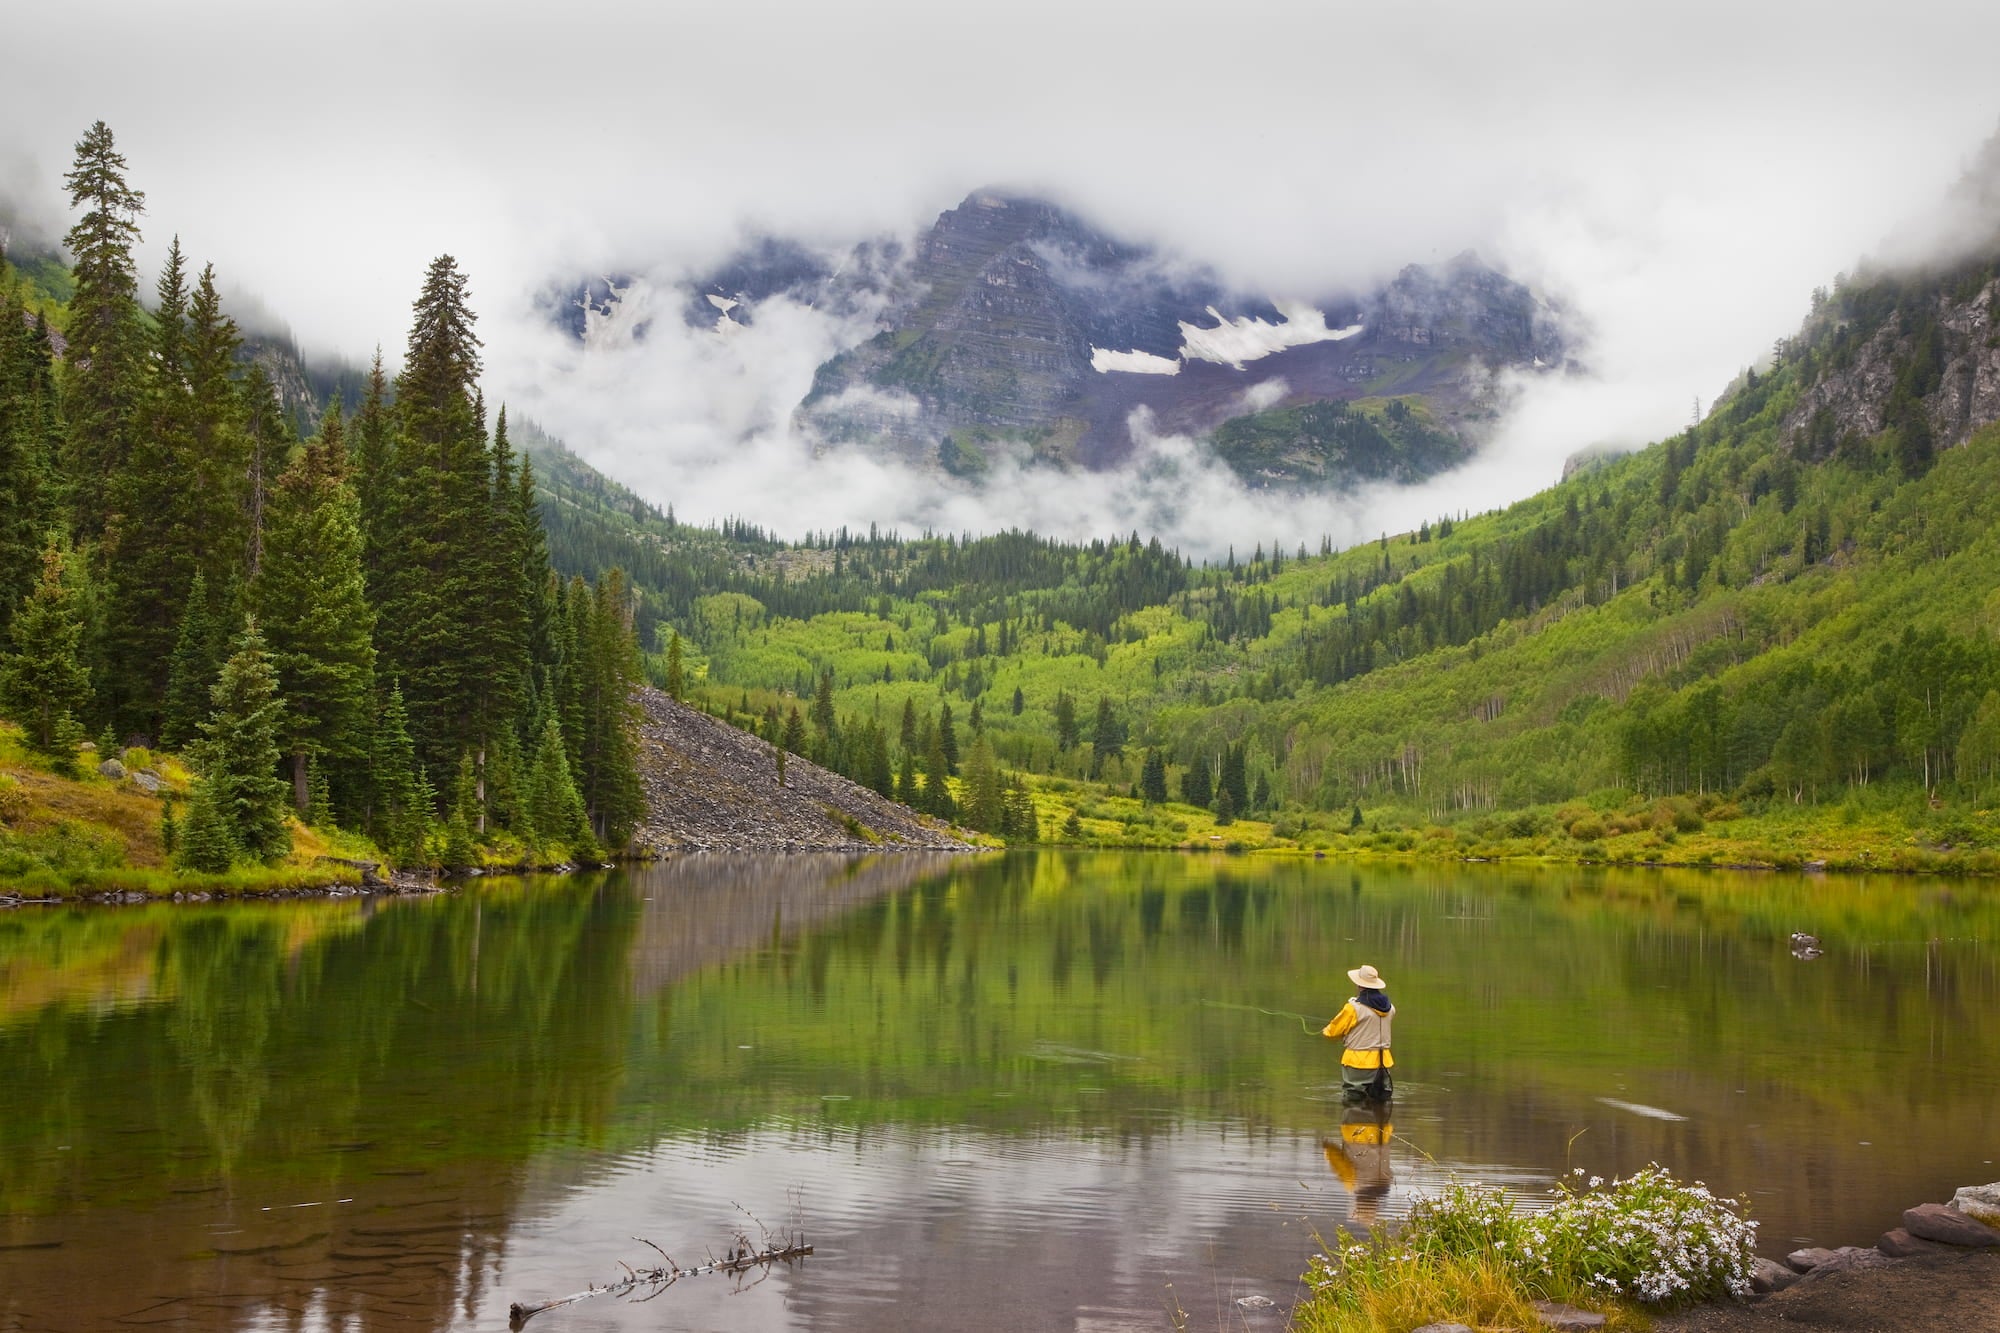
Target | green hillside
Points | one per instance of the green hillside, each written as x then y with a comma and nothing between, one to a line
1785,617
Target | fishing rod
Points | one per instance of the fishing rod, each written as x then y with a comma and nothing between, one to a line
1311,1026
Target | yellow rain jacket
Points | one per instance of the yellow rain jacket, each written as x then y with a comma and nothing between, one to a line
1366,1033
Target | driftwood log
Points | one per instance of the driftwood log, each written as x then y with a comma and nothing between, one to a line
742,1257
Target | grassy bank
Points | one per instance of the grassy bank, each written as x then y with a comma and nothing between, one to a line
84,832
1886,830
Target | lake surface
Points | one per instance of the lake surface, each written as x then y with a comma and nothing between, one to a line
1032,1091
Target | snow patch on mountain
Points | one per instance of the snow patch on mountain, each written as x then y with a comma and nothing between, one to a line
1104,361
1234,341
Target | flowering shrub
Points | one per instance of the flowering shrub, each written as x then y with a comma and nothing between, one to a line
1647,1237
1467,1254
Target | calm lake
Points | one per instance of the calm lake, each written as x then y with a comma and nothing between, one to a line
1031,1091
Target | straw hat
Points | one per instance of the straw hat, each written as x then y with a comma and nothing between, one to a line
1366,977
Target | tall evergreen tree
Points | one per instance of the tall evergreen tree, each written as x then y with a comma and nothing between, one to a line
104,365
1153,778
399,808
555,810
217,506
608,777
435,558
373,452
311,599
151,541
30,429
238,750
200,646
44,682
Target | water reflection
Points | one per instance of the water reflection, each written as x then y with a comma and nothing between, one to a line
1013,1090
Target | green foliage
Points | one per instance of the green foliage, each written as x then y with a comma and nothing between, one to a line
43,682
207,839
238,753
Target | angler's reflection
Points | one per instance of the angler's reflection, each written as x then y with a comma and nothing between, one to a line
1360,1157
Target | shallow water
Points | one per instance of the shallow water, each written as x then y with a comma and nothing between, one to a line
1026,1091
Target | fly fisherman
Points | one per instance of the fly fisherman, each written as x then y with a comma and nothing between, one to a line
1363,1023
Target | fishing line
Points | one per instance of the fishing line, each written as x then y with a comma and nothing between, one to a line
1305,1024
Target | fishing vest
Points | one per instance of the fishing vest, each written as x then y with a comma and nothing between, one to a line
1370,1031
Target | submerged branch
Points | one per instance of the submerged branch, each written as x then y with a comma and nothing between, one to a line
742,1257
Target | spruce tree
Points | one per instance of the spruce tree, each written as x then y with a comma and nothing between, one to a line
104,364
1107,738
947,738
151,540
984,809
608,777
199,647
1196,787
29,438
555,811
676,681
795,732
1153,778
1066,734
373,454
458,848
310,596
43,682
398,809
205,841
238,752
217,506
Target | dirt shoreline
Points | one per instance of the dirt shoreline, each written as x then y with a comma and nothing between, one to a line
1955,1292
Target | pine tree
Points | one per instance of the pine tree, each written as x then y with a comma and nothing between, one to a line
608,775
1025,826
947,738
435,545
1225,808
1020,701
795,732
269,437
1153,778
311,598
676,682
907,733
906,782
375,478
104,365
199,648
43,682
937,787
238,752
205,842
458,849
29,439
823,719
150,545
983,794
1107,739
398,809
1196,787
554,809
216,509
1066,734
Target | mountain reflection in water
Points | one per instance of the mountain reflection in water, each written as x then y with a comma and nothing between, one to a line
996,1092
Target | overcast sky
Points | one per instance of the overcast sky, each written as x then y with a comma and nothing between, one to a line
1681,175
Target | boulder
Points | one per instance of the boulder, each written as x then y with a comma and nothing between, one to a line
1804,1261
1945,1224
112,769
1566,1318
1256,1302
1846,1259
148,782
1767,1277
1442,1328
1981,1202
1900,1244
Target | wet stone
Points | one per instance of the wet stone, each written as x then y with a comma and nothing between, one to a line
1767,1276
1566,1318
1946,1225
1900,1244
1256,1302
1804,1261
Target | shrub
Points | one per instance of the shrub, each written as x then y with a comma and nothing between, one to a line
13,801
1587,829
1468,1255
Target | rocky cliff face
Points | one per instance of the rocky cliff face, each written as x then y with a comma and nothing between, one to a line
1944,345
1018,328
